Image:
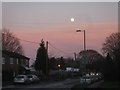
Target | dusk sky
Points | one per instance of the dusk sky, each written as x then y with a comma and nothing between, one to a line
51,21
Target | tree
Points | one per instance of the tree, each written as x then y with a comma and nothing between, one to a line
10,42
112,46
109,70
41,63
53,63
62,63
90,60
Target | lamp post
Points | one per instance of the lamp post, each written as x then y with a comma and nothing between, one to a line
84,37
84,42
59,66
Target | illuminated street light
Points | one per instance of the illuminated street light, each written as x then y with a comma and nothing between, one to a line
59,65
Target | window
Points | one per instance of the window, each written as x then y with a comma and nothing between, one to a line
21,61
17,61
3,60
27,62
11,60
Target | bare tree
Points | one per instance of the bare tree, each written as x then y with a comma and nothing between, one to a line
10,42
112,45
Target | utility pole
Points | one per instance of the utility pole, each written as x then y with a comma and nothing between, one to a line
74,59
73,64
47,57
75,55
47,46
84,41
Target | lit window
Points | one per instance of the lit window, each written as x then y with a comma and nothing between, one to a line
11,60
3,60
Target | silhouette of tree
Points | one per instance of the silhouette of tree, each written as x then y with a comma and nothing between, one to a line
112,46
69,62
53,63
10,42
62,63
41,63
109,71
91,60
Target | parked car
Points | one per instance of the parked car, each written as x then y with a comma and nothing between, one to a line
23,79
33,78
86,79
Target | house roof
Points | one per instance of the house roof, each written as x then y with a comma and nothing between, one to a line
13,54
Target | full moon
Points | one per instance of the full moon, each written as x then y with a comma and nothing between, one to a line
72,19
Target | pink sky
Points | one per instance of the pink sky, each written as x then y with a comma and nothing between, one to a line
51,21
66,39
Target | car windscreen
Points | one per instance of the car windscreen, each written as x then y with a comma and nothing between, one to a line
29,76
85,77
20,77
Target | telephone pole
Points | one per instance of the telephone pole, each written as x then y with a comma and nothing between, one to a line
75,55
47,47
47,57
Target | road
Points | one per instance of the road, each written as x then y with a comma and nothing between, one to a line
95,85
66,85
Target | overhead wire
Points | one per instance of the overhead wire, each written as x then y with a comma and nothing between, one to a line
60,50
29,41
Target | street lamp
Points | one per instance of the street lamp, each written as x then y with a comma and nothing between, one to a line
59,66
84,37
84,42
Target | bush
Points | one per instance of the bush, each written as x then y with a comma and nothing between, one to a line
7,75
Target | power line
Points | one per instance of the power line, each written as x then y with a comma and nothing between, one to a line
58,49
29,41
49,44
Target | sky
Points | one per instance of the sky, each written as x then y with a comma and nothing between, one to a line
33,21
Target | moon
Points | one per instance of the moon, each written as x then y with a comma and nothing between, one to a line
72,19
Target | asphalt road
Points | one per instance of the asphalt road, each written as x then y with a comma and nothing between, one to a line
95,85
64,85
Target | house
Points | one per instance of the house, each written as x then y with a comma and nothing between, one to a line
14,64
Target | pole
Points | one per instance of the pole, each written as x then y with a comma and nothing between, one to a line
84,38
84,41
73,64
85,48
75,55
47,57
47,46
